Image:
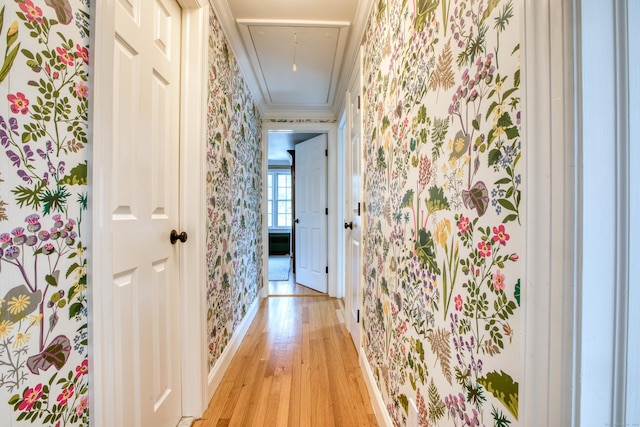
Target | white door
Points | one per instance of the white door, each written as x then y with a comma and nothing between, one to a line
353,223
311,215
144,211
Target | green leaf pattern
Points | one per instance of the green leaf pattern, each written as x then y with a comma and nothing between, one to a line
44,82
442,227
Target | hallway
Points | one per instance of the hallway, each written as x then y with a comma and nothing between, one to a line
297,366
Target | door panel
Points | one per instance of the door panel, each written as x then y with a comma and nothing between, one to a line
145,209
311,218
353,263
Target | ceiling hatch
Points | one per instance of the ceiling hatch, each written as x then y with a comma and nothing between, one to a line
316,49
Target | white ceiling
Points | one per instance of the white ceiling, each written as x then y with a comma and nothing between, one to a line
261,34
316,56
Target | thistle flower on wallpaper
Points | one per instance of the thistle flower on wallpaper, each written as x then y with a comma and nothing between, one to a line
442,194
30,312
43,306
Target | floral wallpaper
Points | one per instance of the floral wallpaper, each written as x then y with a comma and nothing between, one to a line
442,192
234,195
44,64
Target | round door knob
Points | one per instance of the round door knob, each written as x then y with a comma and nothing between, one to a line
348,225
297,221
174,237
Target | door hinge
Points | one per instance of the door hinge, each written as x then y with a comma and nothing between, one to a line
327,269
358,102
326,211
326,153
358,317
358,208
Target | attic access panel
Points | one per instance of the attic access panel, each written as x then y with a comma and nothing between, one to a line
316,57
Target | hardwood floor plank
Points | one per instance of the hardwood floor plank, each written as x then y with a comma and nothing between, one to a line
296,367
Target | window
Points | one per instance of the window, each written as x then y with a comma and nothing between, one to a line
279,206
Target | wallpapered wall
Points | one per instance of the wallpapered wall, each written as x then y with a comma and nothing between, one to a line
234,195
442,223
43,200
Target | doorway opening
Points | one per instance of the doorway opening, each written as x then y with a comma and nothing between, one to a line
292,245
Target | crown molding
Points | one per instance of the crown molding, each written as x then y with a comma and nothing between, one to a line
230,28
299,114
351,52
223,12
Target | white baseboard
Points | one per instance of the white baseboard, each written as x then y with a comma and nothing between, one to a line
221,366
379,408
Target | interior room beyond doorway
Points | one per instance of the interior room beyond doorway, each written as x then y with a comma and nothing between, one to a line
281,213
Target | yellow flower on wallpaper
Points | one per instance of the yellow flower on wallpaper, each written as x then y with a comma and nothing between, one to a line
22,339
5,328
18,304
443,230
498,111
36,319
498,131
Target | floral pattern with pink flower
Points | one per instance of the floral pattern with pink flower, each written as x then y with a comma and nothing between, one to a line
484,249
44,130
31,396
65,395
31,12
500,235
498,281
19,103
82,369
82,53
65,57
441,101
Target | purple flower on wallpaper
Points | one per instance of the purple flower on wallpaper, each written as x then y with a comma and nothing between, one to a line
11,253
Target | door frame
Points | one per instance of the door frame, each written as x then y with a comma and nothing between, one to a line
195,21
333,193
347,167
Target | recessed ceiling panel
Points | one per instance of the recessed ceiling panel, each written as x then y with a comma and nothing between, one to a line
320,10
313,50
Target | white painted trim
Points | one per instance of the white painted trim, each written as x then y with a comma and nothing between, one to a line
356,74
622,286
341,168
331,129
277,112
100,299
363,13
223,12
265,203
193,280
102,379
223,363
291,23
377,402
549,216
320,112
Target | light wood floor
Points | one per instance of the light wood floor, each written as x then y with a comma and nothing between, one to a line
290,287
297,366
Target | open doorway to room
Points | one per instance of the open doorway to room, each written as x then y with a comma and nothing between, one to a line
281,213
